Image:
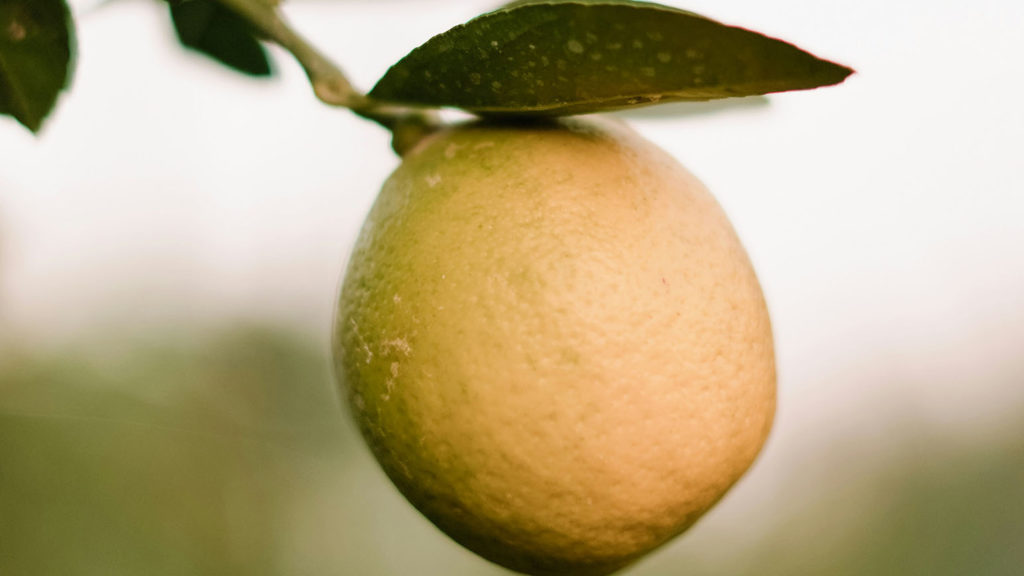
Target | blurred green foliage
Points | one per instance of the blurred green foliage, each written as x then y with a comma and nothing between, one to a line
932,507
230,454
171,458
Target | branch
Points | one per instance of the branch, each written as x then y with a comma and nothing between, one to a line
329,83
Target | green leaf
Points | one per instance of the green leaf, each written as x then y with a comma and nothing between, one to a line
209,28
575,57
36,48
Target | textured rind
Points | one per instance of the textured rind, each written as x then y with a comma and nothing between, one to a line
554,343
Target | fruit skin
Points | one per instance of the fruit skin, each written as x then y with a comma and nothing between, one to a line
554,343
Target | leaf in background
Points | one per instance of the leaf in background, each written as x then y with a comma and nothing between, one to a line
36,48
563,57
209,28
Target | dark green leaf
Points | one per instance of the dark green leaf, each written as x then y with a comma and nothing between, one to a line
36,48
573,57
209,28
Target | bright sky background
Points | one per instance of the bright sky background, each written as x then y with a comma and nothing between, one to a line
885,216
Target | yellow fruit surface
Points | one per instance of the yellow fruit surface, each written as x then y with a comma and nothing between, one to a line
554,343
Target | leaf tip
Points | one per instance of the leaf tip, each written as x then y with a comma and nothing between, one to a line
840,72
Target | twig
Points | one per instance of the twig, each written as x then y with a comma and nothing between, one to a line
329,83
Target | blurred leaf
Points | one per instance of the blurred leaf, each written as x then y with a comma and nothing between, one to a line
563,57
209,28
36,48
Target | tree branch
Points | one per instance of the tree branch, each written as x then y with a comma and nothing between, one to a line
329,83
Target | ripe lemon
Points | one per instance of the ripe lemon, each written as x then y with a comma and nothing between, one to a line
554,343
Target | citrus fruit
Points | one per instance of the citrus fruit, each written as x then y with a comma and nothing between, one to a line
554,343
